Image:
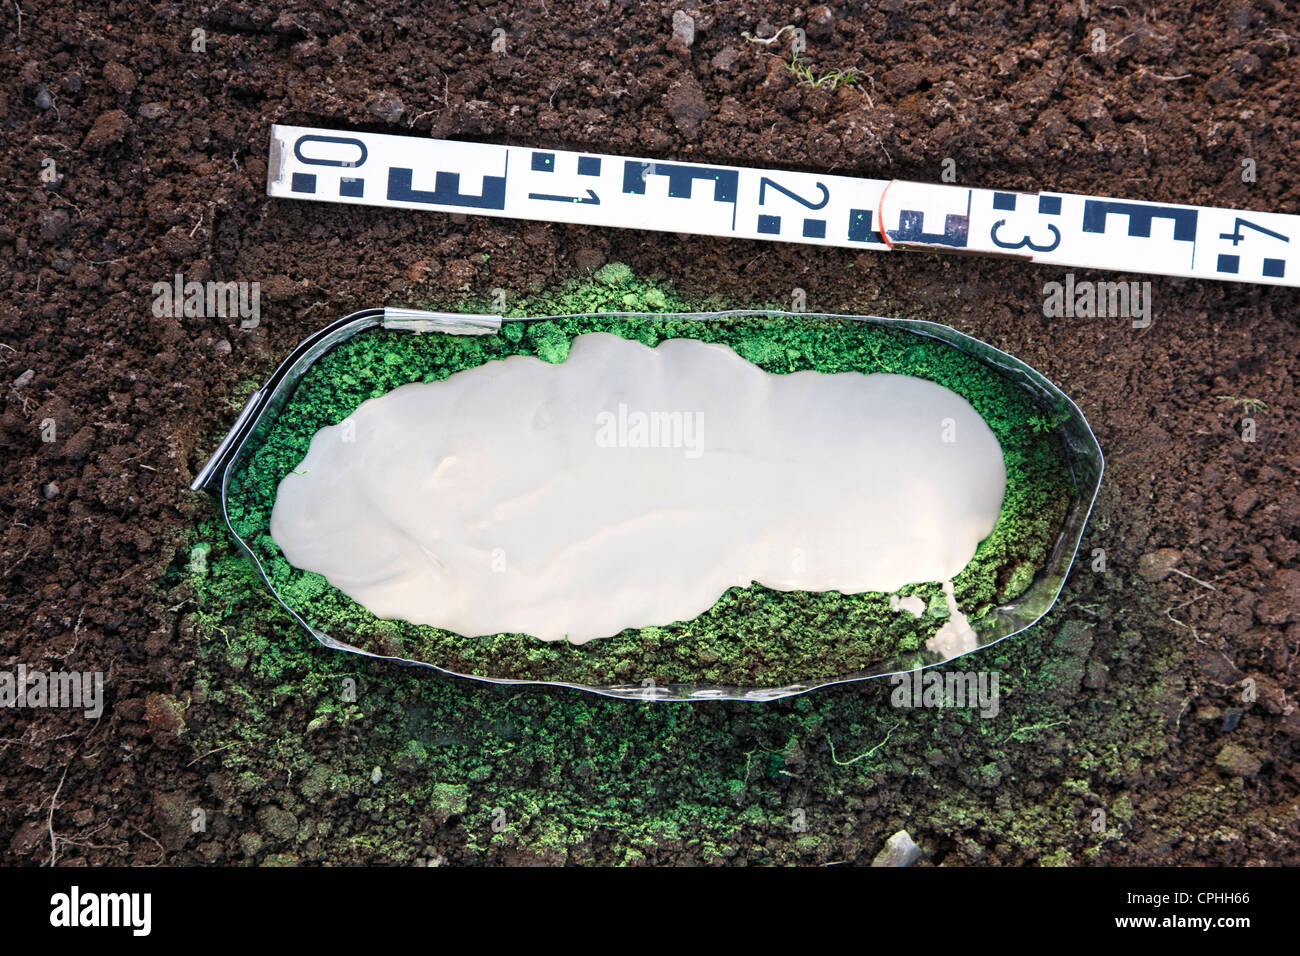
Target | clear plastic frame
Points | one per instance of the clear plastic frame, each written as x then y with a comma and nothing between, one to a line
1078,447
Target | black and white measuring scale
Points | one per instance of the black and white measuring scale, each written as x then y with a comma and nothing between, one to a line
519,182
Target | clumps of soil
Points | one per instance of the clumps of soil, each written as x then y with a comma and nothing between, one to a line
753,636
1131,720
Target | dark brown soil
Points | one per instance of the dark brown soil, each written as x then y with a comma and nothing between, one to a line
161,154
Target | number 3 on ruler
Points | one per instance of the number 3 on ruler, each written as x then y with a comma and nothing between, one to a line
1025,243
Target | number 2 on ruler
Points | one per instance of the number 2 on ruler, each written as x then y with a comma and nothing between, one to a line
764,182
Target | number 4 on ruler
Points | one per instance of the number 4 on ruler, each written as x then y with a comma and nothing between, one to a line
1274,268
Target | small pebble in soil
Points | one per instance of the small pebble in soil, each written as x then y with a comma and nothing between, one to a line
388,108
22,381
222,347
820,21
725,59
899,850
50,491
1280,603
1245,502
1158,565
54,224
1236,761
109,128
684,28
119,77
43,99
1231,718
376,775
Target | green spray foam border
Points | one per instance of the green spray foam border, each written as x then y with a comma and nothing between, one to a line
752,635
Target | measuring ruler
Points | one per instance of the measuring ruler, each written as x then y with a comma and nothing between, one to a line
591,189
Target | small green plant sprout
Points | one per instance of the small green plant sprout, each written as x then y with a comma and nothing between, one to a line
1247,405
800,66
1283,39
835,78
1046,421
